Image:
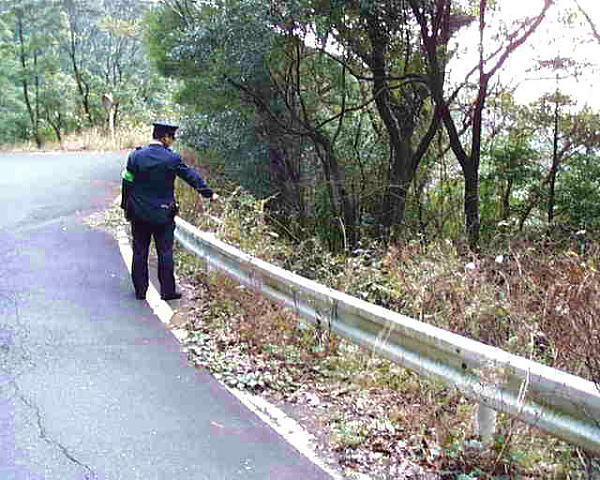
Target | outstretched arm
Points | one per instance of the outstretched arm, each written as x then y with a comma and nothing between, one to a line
193,179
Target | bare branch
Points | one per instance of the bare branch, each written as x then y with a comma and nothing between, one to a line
406,79
347,110
589,20
511,47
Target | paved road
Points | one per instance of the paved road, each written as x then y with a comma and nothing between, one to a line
92,386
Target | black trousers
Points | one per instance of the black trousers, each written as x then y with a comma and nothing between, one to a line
163,240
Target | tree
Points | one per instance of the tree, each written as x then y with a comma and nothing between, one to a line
57,103
14,123
398,88
578,194
80,16
105,54
560,137
98,44
512,159
436,20
305,95
332,107
296,93
35,25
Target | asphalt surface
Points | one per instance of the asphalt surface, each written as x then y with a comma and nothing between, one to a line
92,385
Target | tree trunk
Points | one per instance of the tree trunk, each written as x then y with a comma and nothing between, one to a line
82,88
472,207
57,130
38,138
25,84
286,177
435,33
505,203
400,178
344,208
399,121
554,168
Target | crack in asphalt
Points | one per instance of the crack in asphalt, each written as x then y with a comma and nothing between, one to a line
90,474
14,354
6,348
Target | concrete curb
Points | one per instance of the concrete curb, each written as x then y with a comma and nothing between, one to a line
158,306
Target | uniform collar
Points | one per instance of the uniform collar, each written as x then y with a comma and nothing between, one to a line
156,143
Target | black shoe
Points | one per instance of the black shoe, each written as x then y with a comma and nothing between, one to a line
171,296
140,297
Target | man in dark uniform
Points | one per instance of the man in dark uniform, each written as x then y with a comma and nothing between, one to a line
149,201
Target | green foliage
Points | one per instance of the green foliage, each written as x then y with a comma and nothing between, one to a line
61,57
511,168
215,47
281,95
230,133
13,114
282,115
578,201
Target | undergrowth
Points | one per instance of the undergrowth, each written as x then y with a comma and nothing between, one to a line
375,416
540,302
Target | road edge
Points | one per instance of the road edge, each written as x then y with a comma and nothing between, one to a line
288,428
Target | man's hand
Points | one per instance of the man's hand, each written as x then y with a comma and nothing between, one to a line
214,197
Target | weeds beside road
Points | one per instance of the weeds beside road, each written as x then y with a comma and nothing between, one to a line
370,416
374,416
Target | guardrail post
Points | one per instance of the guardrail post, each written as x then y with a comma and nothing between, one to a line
485,423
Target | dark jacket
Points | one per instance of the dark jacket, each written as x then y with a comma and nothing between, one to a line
150,196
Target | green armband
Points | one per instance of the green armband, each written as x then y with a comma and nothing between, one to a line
127,175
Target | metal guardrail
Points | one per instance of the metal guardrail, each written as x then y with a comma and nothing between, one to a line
562,404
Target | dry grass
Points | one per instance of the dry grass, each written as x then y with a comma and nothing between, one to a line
96,140
371,415
538,301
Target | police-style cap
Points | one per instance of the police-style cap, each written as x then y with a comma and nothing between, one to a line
163,128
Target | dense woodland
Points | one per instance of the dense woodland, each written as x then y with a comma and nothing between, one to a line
454,201
341,112
73,65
